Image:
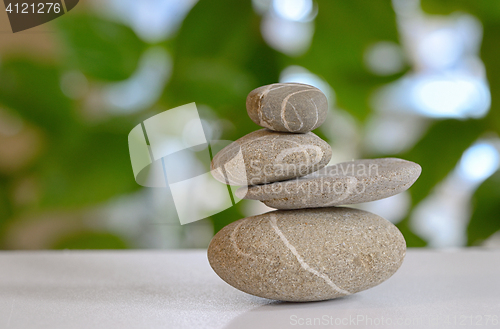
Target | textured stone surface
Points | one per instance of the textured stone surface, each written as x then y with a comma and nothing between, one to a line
287,107
265,156
344,183
307,254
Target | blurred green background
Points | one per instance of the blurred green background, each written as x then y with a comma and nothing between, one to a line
414,80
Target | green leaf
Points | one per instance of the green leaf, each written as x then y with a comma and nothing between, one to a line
226,217
344,29
485,218
439,151
487,11
90,168
32,89
100,48
489,54
91,240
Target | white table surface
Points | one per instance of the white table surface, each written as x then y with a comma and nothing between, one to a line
178,289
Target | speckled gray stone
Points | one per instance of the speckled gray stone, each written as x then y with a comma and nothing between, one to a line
265,156
344,183
287,107
308,254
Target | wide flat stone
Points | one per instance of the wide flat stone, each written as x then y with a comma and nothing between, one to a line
287,107
265,156
341,184
307,254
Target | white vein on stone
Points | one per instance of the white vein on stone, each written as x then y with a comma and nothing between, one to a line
259,108
317,113
285,101
261,105
303,264
283,107
298,117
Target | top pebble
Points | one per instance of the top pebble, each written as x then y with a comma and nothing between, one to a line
287,107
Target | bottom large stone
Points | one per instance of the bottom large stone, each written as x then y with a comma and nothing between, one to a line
308,254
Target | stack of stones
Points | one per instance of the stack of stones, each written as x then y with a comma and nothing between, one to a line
310,249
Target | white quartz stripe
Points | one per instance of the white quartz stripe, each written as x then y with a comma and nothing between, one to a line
285,102
303,264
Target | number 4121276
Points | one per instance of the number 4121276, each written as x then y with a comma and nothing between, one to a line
40,8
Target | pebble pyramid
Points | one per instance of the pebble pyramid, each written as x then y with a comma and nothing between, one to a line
310,249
